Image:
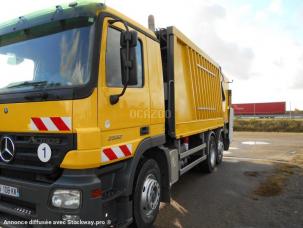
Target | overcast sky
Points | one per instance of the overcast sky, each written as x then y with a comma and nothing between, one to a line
258,43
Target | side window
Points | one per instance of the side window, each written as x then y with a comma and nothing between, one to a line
113,62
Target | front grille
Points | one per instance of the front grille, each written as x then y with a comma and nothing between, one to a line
26,164
28,209
7,217
30,176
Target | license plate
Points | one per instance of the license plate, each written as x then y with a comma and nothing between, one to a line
9,191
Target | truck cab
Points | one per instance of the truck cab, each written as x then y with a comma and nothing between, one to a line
58,128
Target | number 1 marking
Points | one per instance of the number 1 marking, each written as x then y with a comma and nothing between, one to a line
44,149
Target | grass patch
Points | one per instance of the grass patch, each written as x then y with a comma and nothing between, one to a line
271,187
274,184
268,125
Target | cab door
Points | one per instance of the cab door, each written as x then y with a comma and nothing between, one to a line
125,124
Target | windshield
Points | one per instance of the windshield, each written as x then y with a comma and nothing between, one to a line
57,60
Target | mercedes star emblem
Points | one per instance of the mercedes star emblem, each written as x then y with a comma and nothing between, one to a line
7,149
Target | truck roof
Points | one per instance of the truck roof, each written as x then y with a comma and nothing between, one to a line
61,12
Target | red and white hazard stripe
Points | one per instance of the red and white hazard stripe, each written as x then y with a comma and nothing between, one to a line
116,152
51,123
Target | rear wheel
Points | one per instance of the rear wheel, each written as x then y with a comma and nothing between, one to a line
210,163
220,147
226,141
147,194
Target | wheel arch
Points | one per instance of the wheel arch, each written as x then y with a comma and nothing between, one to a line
149,148
162,159
218,132
211,133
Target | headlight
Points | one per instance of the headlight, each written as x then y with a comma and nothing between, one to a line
68,199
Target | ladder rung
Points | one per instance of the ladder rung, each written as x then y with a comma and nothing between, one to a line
192,165
192,151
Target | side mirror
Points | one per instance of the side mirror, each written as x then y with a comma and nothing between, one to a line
128,56
128,43
128,36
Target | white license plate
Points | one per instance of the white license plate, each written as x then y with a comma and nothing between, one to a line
9,191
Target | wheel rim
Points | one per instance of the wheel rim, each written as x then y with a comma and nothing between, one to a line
212,154
220,147
150,195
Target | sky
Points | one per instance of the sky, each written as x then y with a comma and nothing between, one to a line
258,43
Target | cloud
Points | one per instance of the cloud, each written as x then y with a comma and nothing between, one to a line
298,82
279,62
276,6
212,12
199,21
235,59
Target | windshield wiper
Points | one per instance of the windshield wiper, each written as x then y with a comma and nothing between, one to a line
28,83
42,96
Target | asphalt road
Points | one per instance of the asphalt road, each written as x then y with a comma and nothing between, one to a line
226,197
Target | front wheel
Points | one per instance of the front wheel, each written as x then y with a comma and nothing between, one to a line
147,194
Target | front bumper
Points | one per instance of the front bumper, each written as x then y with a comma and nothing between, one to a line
34,202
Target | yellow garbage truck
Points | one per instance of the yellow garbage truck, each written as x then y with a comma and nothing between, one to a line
100,116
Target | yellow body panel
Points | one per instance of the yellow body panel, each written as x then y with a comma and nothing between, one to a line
82,159
198,98
156,90
18,118
85,122
121,123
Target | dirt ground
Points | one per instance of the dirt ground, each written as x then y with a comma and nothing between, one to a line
259,184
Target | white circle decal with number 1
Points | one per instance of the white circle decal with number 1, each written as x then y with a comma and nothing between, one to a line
44,152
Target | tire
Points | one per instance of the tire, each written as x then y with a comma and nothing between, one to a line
210,163
226,142
220,147
147,194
